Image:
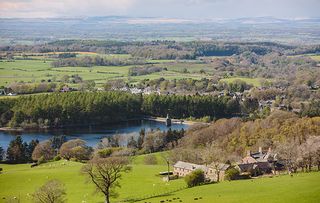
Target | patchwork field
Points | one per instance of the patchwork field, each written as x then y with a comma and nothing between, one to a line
21,181
36,68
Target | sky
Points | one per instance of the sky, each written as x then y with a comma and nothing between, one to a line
187,9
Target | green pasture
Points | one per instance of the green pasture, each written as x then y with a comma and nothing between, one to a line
301,187
21,181
144,182
253,81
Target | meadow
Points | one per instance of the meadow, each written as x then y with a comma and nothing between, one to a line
21,181
253,81
143,182
36,68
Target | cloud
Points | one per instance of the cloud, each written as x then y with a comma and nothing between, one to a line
50,8
161,8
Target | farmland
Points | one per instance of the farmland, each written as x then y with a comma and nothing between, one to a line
143,181
35,69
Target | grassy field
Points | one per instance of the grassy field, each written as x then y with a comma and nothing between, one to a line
21,181
37,68
282,189
253,81
315,57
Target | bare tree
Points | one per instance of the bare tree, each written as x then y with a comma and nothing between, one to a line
105,174
212,154
288,152
310,153
51,192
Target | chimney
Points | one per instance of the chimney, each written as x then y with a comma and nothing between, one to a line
260,150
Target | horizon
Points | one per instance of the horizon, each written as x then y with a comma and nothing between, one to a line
177,9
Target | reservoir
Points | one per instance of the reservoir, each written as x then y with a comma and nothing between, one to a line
92,135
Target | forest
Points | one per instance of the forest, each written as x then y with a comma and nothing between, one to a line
93,108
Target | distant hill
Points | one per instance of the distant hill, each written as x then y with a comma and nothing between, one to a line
36,30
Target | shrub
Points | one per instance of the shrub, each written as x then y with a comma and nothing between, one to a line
195,178
104,153
232,174
150,159
1,170
57,158
41,160
74,159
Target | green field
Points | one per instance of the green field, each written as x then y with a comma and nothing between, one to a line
315,57
301,187
21,181
253,81
37,68
143,181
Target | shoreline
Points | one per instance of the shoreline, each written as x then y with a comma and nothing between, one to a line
155,119
174,121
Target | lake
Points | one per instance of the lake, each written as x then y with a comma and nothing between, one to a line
92,135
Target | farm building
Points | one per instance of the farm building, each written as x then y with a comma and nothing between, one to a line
213,172
261,162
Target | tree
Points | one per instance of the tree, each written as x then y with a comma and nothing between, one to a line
57,141
105,174
288,152
195,178
212,154
231,174
52,191
43,149
16,151
31,146
87,85
75,149
1,153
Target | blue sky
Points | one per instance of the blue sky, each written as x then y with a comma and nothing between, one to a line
190,9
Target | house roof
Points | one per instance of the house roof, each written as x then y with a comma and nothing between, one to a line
190,166
221,166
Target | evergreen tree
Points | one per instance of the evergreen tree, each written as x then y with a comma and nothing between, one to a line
16,151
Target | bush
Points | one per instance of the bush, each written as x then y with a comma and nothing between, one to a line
74,159
41,160
1,170
232,174
150,159
195,178
104,153
57,158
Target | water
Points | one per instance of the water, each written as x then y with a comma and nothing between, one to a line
92,135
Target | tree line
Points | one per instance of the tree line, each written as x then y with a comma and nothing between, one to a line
88,61
90,108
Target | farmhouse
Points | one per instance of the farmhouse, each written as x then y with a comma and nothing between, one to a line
213,172
259,163
182,169
216,171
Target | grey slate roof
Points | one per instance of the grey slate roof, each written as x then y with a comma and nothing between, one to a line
190,166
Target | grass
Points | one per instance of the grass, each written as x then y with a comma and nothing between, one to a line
22,180
39,68
315,57
304,187
253,81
